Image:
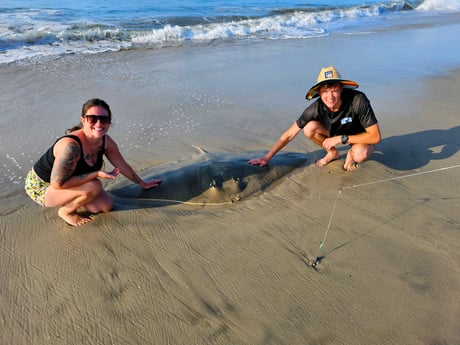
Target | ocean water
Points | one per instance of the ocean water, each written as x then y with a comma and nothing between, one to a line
34,30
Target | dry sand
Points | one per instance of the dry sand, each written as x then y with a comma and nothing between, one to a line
155,272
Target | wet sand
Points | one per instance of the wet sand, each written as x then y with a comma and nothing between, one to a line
221,253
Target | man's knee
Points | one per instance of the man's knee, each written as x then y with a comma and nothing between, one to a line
362,153
314,128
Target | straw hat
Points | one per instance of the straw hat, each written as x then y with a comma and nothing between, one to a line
327,75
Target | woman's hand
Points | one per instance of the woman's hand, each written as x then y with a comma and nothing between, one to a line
109,175
150,184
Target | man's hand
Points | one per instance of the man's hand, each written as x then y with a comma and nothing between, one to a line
258,161
330,143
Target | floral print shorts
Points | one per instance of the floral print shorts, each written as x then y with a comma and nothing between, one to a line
35,187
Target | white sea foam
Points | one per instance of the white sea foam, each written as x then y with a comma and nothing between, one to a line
296,24
440,5
43,33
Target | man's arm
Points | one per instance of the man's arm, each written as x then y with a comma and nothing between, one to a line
285,139
369,137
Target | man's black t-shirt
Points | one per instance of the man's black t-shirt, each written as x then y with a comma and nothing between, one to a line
353,117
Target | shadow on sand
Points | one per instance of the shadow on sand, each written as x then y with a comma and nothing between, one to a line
407,152
415,150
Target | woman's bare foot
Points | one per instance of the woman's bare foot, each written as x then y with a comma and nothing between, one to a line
350,164
73,219
329,157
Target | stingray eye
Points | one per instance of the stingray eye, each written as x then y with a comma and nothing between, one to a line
234,198
216,182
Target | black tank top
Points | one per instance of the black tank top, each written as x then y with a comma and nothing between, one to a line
44,165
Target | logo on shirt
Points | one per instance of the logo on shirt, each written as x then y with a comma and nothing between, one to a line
345,120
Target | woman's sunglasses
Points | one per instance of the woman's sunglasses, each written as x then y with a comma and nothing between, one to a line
92,119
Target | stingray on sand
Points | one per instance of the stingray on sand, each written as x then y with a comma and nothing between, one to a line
209,179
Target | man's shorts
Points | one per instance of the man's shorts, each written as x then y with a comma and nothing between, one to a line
35,187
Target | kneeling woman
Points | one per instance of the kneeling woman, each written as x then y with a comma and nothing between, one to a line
67,175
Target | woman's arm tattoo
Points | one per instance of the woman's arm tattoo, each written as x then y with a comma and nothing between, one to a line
66,164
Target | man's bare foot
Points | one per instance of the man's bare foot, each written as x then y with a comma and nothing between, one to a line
350,167
329,157
350,164
73,219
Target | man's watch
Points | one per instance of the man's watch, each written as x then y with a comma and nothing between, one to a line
344,139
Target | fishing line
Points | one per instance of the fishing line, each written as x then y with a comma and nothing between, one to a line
318,257
401,177
181,202
330,219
